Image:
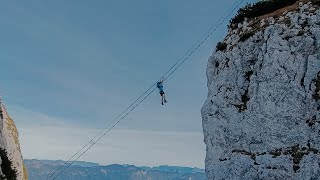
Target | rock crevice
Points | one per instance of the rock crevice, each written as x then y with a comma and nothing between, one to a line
261,119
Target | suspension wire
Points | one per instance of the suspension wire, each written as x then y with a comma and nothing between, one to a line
204,37
213,29
144,95
92,140
105,133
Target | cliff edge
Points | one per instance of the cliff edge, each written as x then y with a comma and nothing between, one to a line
12,167
261,119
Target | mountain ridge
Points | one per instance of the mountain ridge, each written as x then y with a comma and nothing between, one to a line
81,170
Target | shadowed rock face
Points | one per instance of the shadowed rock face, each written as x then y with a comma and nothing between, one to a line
11,163
261,119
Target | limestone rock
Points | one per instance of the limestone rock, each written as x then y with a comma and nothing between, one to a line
10,152
261,119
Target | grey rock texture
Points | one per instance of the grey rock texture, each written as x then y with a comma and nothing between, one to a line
261,119
11,162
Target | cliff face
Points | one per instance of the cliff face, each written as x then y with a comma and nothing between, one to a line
11,162
261,119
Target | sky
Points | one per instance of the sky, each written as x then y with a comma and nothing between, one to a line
69,67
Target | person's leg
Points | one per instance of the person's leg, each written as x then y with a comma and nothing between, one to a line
161,94
164,97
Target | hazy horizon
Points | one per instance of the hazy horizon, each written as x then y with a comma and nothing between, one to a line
94,163
69,68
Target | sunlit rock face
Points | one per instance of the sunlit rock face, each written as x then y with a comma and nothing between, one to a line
11,162
261,119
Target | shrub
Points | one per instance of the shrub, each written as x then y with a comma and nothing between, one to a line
246,36
315,2
260,8
304,24
316,95
287,37
6,167
301,33
221,46
287,22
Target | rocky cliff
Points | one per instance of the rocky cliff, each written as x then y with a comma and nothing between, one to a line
12,167
261,119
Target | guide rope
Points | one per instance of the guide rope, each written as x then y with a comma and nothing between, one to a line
144,95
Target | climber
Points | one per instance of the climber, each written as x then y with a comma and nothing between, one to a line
160,87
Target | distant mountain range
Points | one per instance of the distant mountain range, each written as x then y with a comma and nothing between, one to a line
41,169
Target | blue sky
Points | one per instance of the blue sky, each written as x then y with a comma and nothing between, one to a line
69,67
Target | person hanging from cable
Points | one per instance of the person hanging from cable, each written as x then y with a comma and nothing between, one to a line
162,94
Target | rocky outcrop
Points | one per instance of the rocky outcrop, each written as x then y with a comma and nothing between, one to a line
261,119
11,161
